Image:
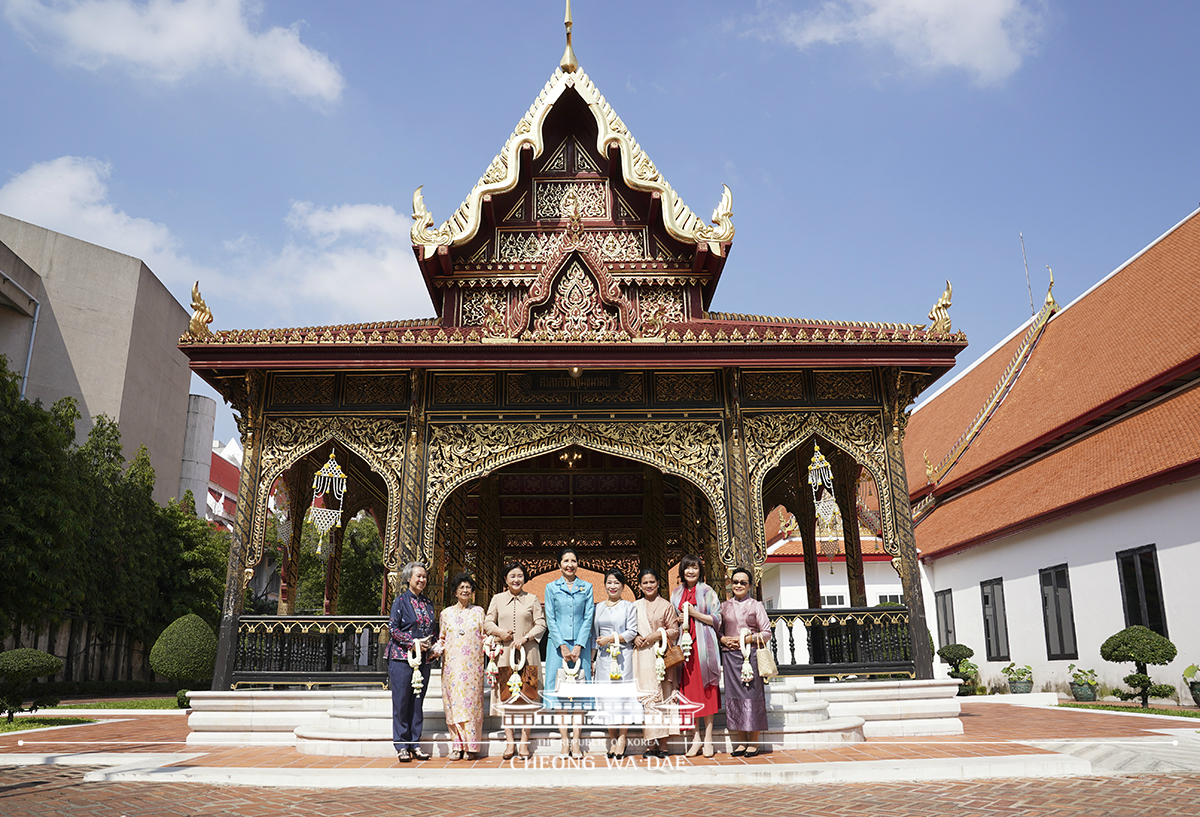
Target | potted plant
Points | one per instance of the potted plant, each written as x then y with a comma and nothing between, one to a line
1083,683
1140,646
1193,683
957,655
1020,679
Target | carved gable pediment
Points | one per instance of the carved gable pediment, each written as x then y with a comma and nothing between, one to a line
570,177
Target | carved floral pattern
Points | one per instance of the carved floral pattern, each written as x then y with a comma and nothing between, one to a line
459,453
554,199
770,437
576,312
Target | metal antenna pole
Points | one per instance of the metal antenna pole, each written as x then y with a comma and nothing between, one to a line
1027,284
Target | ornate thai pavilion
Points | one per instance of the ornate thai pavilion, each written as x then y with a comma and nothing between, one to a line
573,386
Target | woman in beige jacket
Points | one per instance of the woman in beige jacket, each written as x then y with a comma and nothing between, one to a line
516,619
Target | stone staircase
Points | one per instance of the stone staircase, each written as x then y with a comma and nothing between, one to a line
358,722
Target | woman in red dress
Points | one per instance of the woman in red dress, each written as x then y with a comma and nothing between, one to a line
701,676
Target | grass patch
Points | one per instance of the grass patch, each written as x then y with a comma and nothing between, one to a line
20,724
1181,713
144,703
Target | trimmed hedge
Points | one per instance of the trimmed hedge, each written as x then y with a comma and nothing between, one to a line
186,650
18,668
1141,646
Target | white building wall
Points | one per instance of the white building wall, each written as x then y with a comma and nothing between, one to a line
784,582
1168,518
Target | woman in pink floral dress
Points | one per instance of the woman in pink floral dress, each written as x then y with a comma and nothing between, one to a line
462,669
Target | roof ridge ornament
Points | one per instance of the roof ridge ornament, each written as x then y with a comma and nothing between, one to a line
940,314
569,63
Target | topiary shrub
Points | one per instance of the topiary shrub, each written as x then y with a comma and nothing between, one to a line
958,657
18,668
186,650
1141,646
182,700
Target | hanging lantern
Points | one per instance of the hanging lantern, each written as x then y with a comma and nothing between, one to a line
329,480
829,518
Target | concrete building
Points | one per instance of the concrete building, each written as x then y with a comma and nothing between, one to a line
82,321
1056,482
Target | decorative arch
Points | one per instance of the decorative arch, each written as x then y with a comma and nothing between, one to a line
461,452
379,443
771,437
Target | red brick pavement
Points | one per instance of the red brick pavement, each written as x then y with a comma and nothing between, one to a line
49,790
990,730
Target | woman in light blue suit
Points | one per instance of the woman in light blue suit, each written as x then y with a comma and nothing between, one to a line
569,610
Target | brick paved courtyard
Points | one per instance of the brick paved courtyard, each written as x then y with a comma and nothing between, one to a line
56,790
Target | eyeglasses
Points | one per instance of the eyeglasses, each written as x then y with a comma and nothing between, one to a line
735,582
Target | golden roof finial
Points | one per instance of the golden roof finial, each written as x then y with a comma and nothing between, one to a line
569,63
1050,302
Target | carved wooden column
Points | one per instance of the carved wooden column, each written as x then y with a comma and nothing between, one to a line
245,396
490,554
448,558
412,486
289,573
689,518
845,490
742,525
900,389
654,522
806,518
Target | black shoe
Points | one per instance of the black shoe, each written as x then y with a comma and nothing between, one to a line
420,754
660,753
403,756
649,753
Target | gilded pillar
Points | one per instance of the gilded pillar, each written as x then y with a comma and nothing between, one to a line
412,486
901,389
845,490
689,518
741,516
450,557
806,518
245,396
654,522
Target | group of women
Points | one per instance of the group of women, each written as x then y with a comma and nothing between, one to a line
613,640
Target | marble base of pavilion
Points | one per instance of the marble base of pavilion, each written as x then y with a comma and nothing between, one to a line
801,715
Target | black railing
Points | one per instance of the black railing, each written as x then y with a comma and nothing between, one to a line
310,650
842,641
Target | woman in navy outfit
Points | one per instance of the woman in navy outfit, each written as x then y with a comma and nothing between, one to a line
413,619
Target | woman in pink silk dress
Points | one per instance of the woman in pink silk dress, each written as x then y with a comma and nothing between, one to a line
462,669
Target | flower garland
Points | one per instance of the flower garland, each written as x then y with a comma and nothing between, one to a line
747,670
614,657
491,648
660,649
685,637
514,680
414,661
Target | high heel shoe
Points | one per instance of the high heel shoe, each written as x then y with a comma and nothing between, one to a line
509,751
523,751
619,747
708,749
694,749
575,750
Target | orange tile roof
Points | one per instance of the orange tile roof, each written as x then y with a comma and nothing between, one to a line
1137,328
1157,446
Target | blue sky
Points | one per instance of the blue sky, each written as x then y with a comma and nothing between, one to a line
874,147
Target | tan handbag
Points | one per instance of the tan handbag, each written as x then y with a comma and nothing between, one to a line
673,657
529,684
766,663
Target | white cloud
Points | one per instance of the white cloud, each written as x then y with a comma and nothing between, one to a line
69,195
352,262
172,39
349,263
988,39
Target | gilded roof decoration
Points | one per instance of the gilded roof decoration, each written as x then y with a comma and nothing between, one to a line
638,170
706,331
